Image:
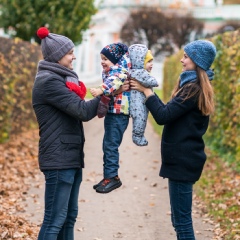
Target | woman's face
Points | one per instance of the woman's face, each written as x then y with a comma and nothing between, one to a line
67,60
187,63
106,63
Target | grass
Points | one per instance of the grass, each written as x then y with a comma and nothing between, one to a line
88,95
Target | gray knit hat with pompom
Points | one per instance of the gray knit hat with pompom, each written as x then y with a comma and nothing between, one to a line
54,46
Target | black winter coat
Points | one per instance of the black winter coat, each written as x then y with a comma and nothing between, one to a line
182,145
60,113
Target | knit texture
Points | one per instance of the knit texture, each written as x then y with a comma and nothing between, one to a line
114,52
201,52
70,76
55,46
191,76
148,58
58,69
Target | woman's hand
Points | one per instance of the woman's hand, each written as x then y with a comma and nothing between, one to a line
135,85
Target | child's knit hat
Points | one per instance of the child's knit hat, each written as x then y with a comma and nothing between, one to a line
148,57
114,51
54,46
201,52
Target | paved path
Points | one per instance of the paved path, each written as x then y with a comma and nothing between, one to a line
139,210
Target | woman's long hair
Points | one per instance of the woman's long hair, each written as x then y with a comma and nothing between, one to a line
202,88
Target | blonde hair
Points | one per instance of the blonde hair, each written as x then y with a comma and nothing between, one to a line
202,88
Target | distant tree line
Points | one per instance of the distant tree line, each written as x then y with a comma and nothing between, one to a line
166,32
160,31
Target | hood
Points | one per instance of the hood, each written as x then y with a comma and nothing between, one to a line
137,53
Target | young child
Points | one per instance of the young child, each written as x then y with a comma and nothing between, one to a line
142,62
116,64
185,118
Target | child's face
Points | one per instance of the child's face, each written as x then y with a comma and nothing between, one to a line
67,60
106,63
188,64
149,65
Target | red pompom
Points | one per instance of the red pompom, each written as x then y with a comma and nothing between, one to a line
42,32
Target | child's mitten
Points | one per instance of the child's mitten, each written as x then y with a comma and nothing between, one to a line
79,90
103,106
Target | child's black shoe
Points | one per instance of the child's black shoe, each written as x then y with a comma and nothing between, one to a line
98,184
109,184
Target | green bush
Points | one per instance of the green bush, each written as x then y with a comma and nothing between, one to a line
224,130
18,66
171,71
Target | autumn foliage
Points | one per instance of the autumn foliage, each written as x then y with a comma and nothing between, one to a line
18,167
18,66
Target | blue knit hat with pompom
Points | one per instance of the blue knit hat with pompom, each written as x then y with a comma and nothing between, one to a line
201,52
114,51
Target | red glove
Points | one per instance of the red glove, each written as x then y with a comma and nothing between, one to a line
81,90
103,106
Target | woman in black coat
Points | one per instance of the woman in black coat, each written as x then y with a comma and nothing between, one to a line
185,118
60,113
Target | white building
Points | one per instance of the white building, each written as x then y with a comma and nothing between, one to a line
112,14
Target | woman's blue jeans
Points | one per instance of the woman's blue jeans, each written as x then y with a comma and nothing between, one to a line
180,194
61,204
114,126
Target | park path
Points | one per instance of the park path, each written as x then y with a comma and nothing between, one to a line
138,210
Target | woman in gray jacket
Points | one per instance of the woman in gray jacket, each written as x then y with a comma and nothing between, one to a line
60,113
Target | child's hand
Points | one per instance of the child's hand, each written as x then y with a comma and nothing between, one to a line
96,92
126,85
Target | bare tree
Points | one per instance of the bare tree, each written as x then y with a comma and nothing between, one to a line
145,25
164,32
229,26
182,27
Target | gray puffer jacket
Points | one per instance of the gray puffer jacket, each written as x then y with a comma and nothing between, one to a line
60,113
138,110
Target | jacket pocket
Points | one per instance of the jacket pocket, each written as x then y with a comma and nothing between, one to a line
72,148
170,152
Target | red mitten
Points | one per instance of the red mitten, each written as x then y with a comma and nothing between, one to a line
84,89
103,106
79,90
